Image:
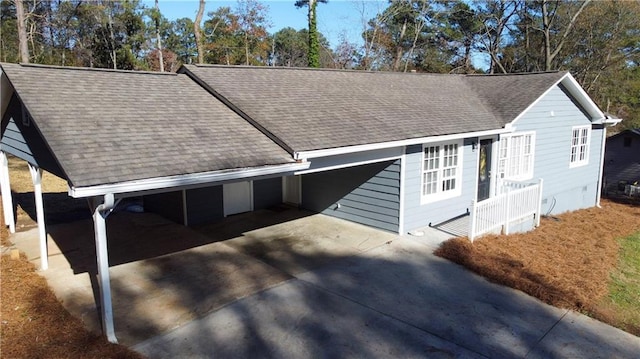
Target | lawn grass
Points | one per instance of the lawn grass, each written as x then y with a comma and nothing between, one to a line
624,288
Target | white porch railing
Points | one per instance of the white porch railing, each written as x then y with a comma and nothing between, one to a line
516,201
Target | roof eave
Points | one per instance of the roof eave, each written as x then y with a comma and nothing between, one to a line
164,184
578,93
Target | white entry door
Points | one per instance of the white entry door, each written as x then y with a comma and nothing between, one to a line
291,190
237,197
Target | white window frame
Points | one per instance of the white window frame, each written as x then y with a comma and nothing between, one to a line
443,177
516,156
579,146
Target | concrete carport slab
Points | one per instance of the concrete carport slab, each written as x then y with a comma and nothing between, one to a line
164,275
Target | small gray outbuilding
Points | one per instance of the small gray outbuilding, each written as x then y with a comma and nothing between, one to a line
622,160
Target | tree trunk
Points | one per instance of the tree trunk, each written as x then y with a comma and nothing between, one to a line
198,33
546,26
246,48
112,42
314,52
397,60
158,41
22,31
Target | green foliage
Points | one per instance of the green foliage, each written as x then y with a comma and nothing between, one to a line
237,36
180,39
8,32
290,48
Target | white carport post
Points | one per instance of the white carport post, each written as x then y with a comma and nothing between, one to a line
100,214
36,176
5,187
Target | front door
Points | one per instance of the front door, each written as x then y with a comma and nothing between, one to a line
484,170
237,197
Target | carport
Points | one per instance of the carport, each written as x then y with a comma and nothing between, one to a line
116,134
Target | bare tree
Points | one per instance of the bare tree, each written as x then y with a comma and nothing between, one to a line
22,31
371,30
198,32
548,18
496,16
418,26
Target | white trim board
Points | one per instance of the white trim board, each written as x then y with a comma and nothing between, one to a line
303,155
185,181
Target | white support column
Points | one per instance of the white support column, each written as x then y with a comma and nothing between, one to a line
100,214
36,175
507,212
472,221
5,187
601,171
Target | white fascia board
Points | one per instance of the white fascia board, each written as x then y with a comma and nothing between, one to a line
597,116
305,155
581,95
6,91
537,100
184,181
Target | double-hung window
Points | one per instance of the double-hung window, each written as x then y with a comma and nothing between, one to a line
580,136
441,171
515,157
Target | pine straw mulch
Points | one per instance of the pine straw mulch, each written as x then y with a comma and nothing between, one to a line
566,262
34,324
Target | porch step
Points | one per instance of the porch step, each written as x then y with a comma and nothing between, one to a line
458,226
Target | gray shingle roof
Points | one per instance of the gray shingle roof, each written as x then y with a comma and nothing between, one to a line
112,126
310,109
317,109
509,95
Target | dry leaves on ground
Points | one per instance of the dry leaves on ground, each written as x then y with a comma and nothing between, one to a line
566,262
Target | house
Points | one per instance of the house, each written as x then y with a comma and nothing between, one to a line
392,151
403,151
622,160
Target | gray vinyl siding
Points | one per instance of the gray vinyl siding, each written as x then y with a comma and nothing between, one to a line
368,194
26,143
168,205
552,119
622,164
13,142
267,193
204,205
417,215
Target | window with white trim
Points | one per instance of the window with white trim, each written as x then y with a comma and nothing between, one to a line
515,157
580,137
441,171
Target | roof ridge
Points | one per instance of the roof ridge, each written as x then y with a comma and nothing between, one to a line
517,73
321,69
96,69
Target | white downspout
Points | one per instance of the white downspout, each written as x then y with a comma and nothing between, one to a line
100,215
602,148
36,176
5,188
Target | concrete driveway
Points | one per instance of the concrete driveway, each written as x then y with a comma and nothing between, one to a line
393,300
281,284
